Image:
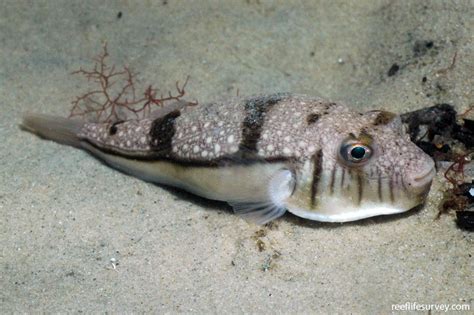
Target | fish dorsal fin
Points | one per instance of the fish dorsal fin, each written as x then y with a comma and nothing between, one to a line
280,187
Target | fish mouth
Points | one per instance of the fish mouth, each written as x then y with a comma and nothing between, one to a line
427,177
420,185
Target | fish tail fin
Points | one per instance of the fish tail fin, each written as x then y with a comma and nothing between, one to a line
58,129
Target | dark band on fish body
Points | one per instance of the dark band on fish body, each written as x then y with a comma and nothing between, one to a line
255,111
162,131
317,159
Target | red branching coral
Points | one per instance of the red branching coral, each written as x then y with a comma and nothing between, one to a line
115,97
457,168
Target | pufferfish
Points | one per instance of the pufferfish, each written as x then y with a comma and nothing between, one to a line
264,155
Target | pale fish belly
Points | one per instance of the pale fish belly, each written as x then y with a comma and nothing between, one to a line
234,183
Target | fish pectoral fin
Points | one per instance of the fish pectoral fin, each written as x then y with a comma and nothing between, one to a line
280,187
258,212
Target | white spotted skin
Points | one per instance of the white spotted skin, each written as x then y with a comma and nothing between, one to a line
131,136
216,128
211,131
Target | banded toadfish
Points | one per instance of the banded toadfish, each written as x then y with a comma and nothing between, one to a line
264,155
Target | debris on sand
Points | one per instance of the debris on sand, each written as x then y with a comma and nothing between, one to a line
449,139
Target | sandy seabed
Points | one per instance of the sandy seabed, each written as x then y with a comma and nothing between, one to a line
77,236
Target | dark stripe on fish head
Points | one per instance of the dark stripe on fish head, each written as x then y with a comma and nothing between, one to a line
333,179
342,178
360,188
391,189
317,159
379,186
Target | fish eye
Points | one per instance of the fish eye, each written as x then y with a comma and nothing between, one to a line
358,152
355,153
